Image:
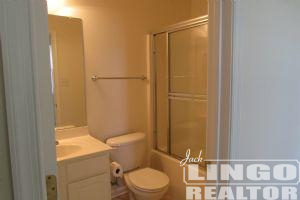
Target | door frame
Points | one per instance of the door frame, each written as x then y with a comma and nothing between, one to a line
221,31
29,103
220,67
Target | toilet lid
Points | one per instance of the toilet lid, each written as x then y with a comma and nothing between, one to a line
149,179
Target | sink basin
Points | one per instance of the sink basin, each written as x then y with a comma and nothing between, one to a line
66,150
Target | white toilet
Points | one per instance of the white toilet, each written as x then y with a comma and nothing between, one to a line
144,183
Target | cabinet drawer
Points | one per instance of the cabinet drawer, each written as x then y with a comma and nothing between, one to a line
86,168
95,188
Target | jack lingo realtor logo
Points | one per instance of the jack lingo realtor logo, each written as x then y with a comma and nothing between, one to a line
241,179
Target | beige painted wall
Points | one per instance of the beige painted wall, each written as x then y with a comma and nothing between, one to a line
115,39
5,173
198,8
69,72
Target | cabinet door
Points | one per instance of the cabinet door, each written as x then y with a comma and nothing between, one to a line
95,188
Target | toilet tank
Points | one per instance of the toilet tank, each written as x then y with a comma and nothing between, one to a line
128,150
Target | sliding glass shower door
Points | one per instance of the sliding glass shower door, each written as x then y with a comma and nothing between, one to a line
181,90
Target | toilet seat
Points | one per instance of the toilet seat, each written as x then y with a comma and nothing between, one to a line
148,180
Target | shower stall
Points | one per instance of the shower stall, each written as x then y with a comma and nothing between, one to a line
180,88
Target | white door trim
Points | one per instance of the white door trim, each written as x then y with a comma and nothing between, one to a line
219,72
42,82
25,53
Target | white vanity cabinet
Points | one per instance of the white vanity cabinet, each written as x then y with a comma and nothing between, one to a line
84,175
85,179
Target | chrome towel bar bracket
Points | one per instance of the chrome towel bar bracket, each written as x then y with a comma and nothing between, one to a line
95,78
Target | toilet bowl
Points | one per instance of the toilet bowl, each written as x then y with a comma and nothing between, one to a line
144,183
147,184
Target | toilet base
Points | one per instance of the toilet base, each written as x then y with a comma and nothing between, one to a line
135,194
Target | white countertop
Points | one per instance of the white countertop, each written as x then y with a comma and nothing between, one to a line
83,147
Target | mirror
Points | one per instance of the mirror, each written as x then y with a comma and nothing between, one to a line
67,71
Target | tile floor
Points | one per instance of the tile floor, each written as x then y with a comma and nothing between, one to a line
126,197
123,197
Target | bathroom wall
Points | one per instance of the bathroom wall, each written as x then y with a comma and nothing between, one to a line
266,93
198,7
115,39
5,173
266,80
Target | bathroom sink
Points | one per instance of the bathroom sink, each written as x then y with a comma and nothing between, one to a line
66,150
77,148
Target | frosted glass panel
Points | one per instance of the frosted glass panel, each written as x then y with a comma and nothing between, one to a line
188,60
188,90
162,113
188,126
